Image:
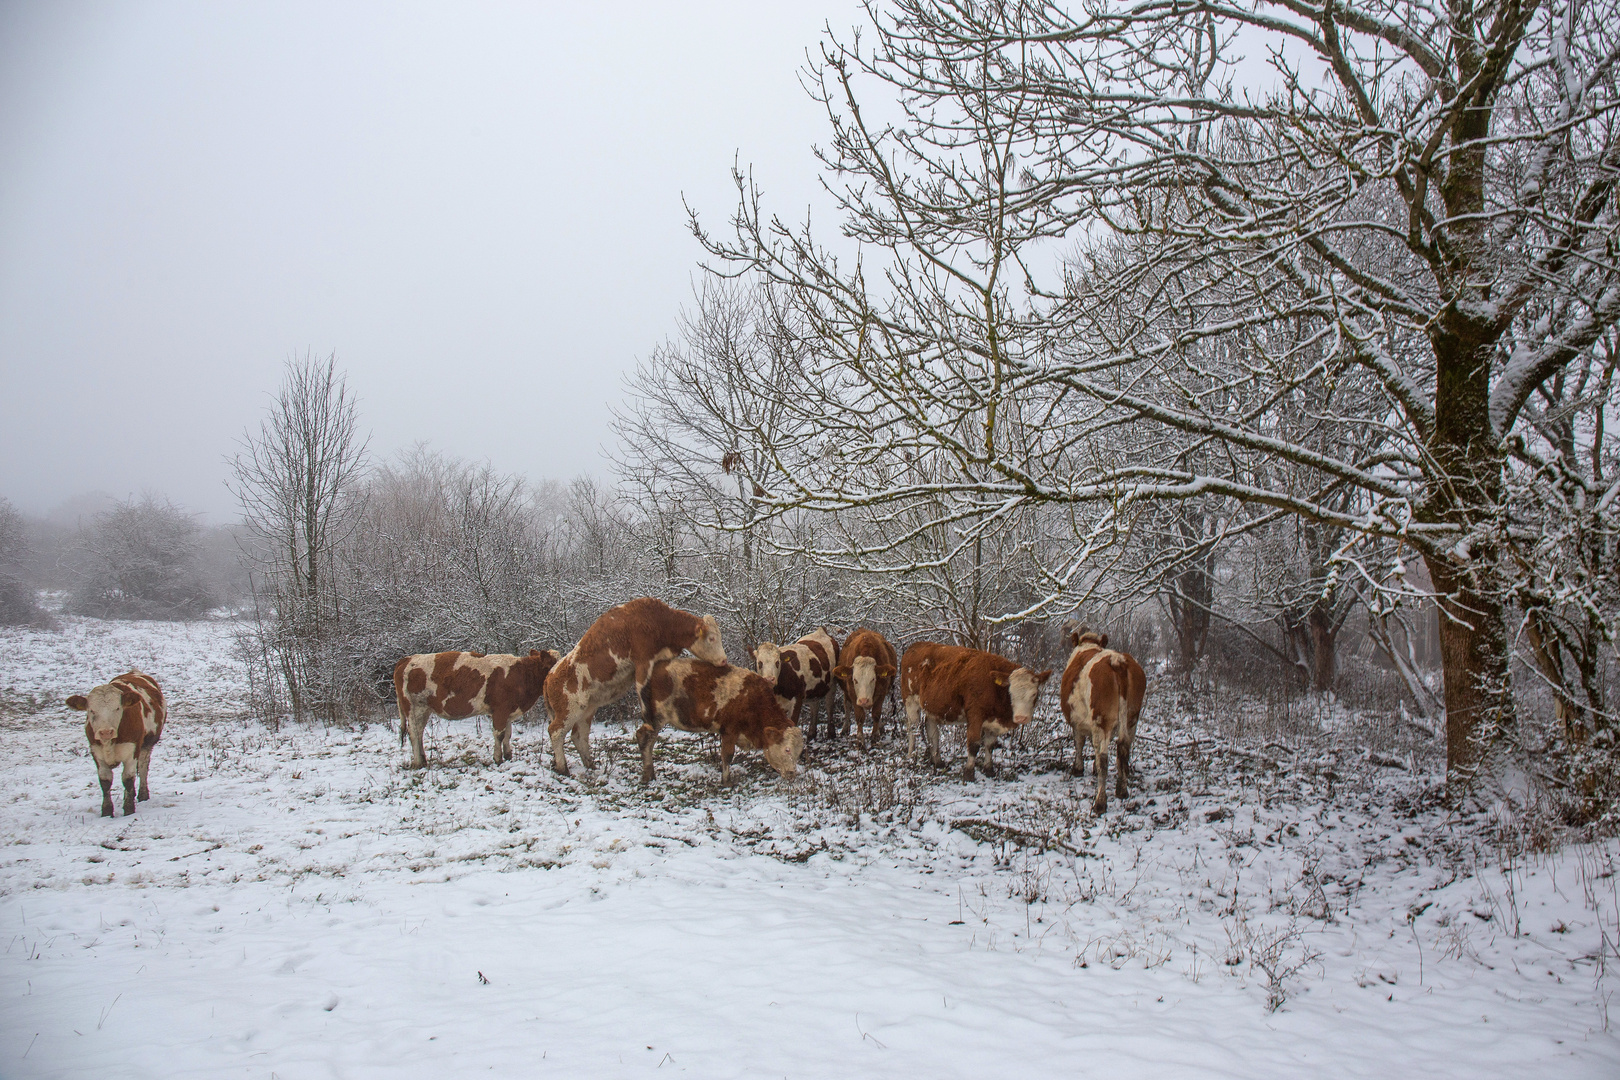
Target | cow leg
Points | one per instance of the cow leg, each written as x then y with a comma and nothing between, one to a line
815,717
556,729
913,716
506,742
646,736
582,740
417,724
104,773
1122,753
933,740
858,714
143,759
498,732
1099,806
129,785
798,718
988,765
728,749
975,732
1082,743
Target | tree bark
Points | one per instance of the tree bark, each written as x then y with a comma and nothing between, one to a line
1324,650
1474,661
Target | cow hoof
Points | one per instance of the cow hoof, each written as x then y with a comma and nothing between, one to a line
967,773
129,809
106,810
560,770
1099,808
145,796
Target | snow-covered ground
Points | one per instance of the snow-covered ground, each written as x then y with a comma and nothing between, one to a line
294,903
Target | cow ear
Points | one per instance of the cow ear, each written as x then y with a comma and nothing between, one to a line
535,652
840,672
131,698
79,702
1041,677
884,671
1102,640
999,679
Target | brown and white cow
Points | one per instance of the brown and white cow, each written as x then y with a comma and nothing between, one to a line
456,685
616,654
125,722
866,668
694,695
948,684
1101,695
801,672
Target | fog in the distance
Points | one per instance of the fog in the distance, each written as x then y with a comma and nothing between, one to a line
478,208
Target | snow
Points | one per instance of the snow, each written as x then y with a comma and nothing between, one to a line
292,902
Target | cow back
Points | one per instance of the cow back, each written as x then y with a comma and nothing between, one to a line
456,684
144,709
948,679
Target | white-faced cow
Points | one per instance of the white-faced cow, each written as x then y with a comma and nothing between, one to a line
739,705
125,722
948,684
867,665
801,672
615,655
1101,694
456,685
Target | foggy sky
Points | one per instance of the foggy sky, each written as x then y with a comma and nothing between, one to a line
477,207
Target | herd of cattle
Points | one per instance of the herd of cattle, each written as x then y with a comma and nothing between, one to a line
639,645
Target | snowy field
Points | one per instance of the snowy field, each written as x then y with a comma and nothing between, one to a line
293,903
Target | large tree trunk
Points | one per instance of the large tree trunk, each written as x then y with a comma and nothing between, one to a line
1324,650
1474,661
1189,599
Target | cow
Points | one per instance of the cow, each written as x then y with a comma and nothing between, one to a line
456,685
801,672
1101,695
694,695
948,684
125,722
866,668
616,654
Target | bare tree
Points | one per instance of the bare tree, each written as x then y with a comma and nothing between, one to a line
1431,224
17,604
139,560
296,479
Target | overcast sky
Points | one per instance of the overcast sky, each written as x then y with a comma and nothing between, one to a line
477,207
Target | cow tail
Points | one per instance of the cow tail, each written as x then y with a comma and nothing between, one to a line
399,696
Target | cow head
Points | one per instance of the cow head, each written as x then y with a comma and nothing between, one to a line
1079,636
782,749
539,663
768,661
105,704
860,679
707,646
1023,686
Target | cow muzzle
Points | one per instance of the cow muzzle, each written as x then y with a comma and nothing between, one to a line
865,702
1019,720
